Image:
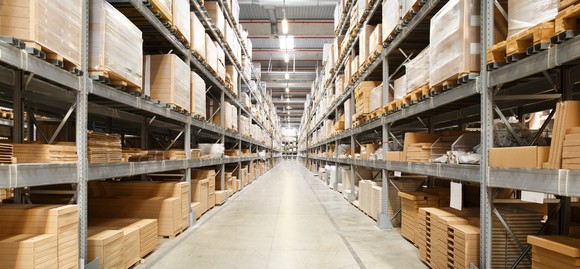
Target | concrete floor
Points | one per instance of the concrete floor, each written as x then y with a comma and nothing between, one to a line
286,219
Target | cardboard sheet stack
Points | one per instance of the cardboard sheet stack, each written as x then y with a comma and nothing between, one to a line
116,49
168,79
55,27
199,196
181,20
463,248
210,175
197,36
571,149
555,251
417,71
104,148
197,96
43,153
174,154
50,241
566,119
410,204
417,146
7,154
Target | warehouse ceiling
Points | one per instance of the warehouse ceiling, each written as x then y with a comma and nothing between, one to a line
310,22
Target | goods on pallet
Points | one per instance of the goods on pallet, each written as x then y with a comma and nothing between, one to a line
400,87
376,39
391,18
50,241
417,71
212,150
107,246
221,197
566,117
364,43
104,148
524,14
164,8
116,49
410,204
555,251
363,96
518,157
232,77
454,42
337,51
327,54
416,146
197,97
571,149
168,79
174,154
199,194
211,56
221,58
231,117
62,152
181,20
197,35
463,248
53,27
354,67
216,15
208,174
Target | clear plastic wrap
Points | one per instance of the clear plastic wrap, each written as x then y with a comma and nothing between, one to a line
216,15
181,19
197,95
455,41
376,98
221,56
116,45
418,71
339,85
197,35
391,16
364,43
236,10
212,150
376,38
400,86
168,79
210,53
327,54
523,14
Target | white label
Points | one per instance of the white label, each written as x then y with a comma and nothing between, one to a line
533,197
398,173
456,196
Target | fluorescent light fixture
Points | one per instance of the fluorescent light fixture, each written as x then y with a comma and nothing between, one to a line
287,90
287,76
286,57
287,42
285,26
288,112
288,107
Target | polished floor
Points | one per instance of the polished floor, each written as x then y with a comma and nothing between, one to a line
286,219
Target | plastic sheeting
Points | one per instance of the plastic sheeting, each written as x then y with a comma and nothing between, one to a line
455,41
210,53
391,16
216,15
376,98
197,95
339,85
418,71
400,86
364,43
197,35
116,44
523,14
376,38
168,79
181,19
212,150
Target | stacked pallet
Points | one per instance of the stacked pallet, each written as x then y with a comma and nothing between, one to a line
419,152
522,222
571,149
104,148
210,175
463,248
555,251
440,238
410,204
39,236
6,154
44,153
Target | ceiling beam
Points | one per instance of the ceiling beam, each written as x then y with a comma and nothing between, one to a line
311,28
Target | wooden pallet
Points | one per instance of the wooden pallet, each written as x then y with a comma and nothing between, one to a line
161,14
496,55
394,106
566,24
530,41
563,4
180,36
115,81
453,82
52,57
416,95
413,11
391,36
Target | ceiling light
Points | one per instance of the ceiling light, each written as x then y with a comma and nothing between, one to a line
287,90
288,112
286,57
286,42
285,26
288,107
287,76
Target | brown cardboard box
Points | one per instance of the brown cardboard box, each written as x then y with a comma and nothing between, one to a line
365,34
394,156
518,157
168,79
413,138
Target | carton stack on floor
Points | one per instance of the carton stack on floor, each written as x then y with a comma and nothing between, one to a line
555,251
463,248
200,175
411,202
39,236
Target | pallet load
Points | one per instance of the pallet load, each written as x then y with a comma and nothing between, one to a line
50,241
571,149
523,14
208,174
43,153
376,40
104,148
566,118
197,96
199,196
181,20
555,251
417,146
232,79
417,73
168,79
216,15
463,248
363,96
197,36
364,43
391,19
453,35
410,204
116,49
231,117
50,27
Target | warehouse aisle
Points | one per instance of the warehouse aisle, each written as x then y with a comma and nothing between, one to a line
286,219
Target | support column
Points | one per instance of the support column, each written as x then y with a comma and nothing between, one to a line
18,121
384,221
187,148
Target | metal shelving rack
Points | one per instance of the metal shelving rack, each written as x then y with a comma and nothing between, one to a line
34,85
532,84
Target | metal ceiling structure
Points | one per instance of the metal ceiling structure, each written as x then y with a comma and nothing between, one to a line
311,24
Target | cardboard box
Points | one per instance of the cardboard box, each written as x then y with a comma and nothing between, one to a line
518,157
197,35
216,15
394,156
168,79
181,19
376,38
414,138
211,56
365,35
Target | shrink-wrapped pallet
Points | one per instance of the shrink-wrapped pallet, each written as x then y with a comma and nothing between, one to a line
168,79
245,125
524,14
454,41
327,54
339,85
400,86
337,44
116,48
232,73
197,35
376,98
181,19
54,25
364,43
216,15
210,53
418,71
221,56
376,39
197,95
391,17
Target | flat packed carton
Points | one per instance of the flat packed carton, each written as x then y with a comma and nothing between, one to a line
518,157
